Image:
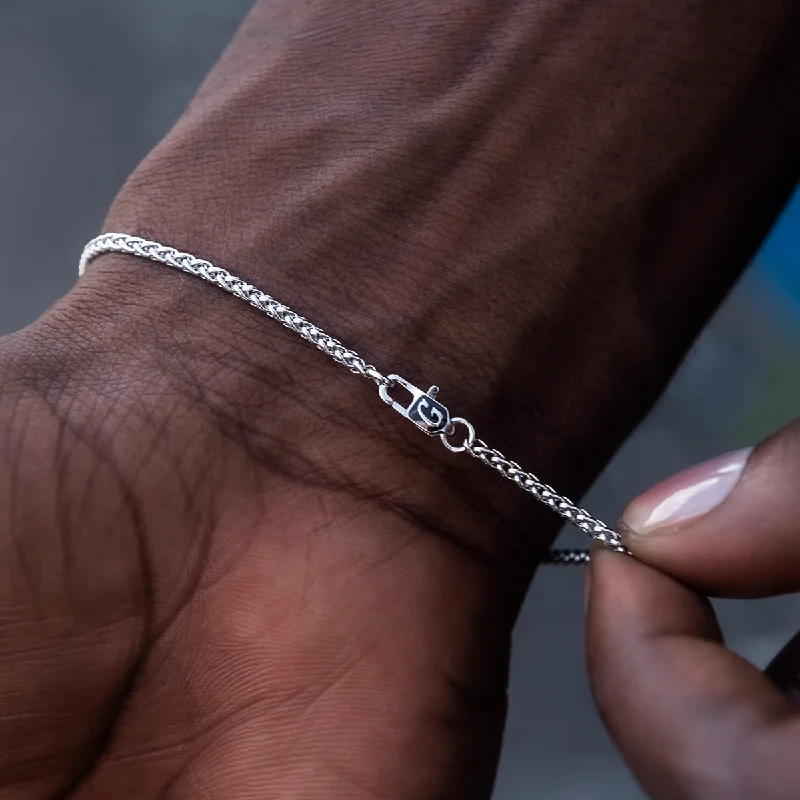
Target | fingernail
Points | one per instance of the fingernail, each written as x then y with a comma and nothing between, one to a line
687,495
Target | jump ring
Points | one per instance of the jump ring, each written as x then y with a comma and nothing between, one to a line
468,439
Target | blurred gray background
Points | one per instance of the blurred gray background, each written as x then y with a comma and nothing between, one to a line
88,86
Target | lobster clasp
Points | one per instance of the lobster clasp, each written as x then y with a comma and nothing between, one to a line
423,409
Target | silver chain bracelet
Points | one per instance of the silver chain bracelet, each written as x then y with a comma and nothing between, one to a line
421,407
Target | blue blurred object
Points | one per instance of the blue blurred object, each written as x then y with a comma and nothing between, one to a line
779,259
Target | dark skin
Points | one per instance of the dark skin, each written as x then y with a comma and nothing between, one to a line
658,662
226,569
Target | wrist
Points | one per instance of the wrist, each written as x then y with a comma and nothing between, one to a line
220,585
469,233
456,434
285,405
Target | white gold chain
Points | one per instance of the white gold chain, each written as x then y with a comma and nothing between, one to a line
423,409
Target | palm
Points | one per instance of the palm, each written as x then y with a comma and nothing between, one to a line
242,644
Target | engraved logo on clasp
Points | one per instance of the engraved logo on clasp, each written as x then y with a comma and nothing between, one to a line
424,410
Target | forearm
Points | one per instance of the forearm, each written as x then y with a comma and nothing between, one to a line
533,208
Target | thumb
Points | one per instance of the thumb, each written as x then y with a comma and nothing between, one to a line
729,526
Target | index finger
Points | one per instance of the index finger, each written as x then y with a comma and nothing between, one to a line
693,719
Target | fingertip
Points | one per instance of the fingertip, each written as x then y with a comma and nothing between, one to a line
631,599
623,588
727,527
677,703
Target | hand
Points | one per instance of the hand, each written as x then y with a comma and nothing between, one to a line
226,569
694,720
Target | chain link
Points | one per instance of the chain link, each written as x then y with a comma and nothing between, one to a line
134,246
477,448
544,493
